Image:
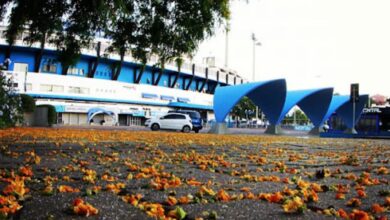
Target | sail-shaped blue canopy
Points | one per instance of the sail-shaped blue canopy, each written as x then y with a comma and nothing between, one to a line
268,95
95,111
343,107
314,102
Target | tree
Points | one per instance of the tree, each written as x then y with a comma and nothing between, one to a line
122,34
300,118
10,108
41,18
28,103
84,19
17,20
176,28
169,29
3,8
245,104
42,23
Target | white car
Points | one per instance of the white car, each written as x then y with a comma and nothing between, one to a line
170,121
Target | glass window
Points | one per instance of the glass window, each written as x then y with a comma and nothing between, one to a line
48,88
56,88
84,90
175,116
45,88
78,90
180,117
169,117
51,68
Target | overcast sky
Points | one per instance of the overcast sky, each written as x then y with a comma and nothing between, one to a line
311,43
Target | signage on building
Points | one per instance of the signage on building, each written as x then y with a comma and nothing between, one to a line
372,110
81,109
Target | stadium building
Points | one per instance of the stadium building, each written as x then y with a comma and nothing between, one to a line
130,99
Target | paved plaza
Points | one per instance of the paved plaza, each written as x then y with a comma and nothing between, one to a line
68,173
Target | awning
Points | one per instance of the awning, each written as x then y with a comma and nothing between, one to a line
185,100
94,111
149,96
168,98
190,106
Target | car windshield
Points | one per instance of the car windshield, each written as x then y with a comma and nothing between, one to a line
194,114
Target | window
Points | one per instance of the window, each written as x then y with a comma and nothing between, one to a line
75,71
56,88
49,88
180,117
78,90
49,67
20,67
175,116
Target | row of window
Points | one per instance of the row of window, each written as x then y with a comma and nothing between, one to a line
58,89
52,68
106,90
71,89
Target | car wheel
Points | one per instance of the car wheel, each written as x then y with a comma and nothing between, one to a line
196,130
186,129
155,127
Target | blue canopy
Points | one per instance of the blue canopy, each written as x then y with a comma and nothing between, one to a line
314,102
343,107
94,111
268,95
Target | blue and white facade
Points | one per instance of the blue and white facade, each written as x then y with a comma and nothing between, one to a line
131,96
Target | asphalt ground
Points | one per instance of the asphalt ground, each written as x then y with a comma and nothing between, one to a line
134,173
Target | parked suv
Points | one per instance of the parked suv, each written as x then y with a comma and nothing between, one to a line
171,121
195,117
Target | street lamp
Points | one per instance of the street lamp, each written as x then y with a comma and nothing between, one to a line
255,43
227,29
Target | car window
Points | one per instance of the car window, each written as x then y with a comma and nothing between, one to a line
192,114
177,116
169,116
174,116
181,117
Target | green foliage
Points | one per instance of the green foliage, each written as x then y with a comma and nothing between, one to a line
10,108
3,7
244,104
168,29
51,115
28,103
300,118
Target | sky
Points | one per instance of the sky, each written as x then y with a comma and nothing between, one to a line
310,43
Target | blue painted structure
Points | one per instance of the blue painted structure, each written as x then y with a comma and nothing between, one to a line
273,99
23,54
94,111
343,108
314,102
268,95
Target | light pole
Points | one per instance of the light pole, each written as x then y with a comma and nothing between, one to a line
227,29
255,43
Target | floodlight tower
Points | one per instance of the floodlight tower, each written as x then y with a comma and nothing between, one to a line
255,43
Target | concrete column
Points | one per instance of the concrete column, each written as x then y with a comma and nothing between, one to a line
273,129
218,128
316,131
